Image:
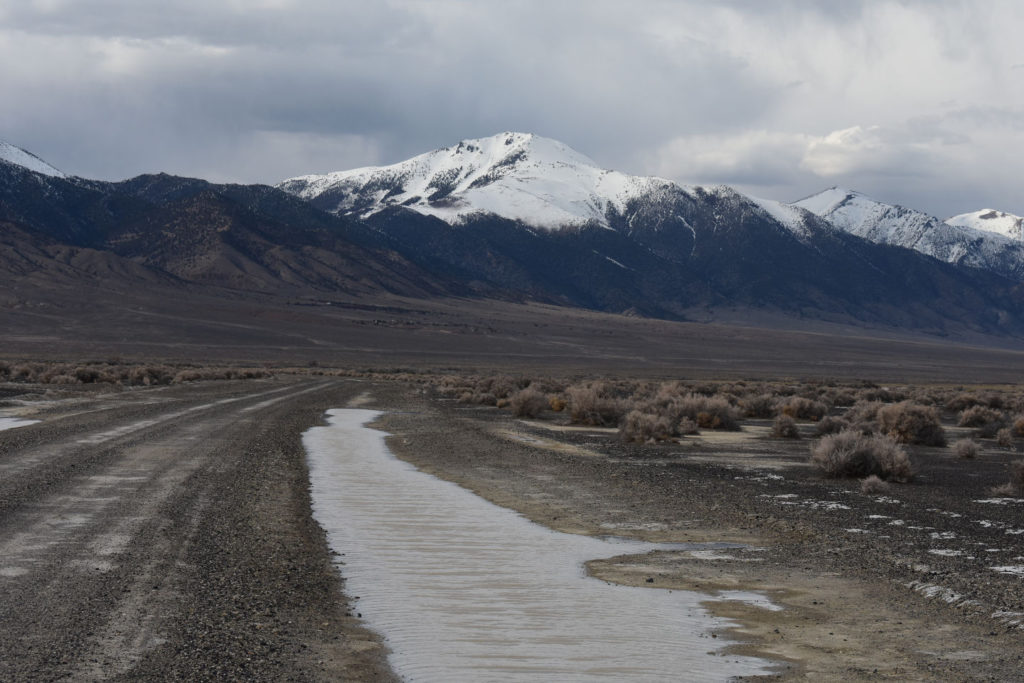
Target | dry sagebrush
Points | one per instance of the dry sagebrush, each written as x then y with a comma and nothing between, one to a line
784,427
966,448
852,454
911,423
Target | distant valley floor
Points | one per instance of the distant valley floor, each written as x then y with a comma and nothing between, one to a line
475,334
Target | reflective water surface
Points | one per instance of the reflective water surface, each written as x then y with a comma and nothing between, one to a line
7,422
464,590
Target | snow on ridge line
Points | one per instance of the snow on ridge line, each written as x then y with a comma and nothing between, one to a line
519,176
19,157
789,215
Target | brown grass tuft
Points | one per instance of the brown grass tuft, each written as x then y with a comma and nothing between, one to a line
872,484
1014,487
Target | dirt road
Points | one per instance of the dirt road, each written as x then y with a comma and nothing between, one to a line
165,534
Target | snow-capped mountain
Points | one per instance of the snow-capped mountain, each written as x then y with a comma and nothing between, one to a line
19,157
513,217
536,181
518,176
990,220
954,241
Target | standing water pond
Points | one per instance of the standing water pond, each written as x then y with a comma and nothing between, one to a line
464,590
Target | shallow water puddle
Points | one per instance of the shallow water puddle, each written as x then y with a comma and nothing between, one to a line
12,422
465,590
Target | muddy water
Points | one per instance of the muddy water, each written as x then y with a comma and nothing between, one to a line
464,590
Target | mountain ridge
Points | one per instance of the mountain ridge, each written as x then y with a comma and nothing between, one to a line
656,248
960,243
19,157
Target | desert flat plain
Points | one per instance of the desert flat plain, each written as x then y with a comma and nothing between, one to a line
164,531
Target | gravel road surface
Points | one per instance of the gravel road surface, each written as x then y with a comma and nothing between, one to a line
165,534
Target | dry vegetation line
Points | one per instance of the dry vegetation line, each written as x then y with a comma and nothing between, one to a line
122,535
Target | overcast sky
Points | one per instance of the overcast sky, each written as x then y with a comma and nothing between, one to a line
918,103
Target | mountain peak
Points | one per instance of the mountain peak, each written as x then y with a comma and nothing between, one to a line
829,200
991,220
19,157
519,176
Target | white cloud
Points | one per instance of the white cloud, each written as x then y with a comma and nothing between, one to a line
871,149
784,95
745,157
283,154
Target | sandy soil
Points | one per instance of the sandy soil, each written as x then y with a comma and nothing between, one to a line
863,599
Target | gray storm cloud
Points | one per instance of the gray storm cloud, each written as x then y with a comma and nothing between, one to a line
918,103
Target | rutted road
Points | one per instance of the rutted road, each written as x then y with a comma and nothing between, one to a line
165,534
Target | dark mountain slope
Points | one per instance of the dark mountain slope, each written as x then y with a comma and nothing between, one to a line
719,253
251,238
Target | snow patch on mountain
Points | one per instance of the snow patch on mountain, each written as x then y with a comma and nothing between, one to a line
792,217
857,213
19,157
990,220
519,176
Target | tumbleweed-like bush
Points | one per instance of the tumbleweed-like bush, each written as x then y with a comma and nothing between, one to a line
785,427
593,404
909,422
873,485
801,408
979,416
966,448
831,425
528,402
1014,487
852,454
760,405
643,427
